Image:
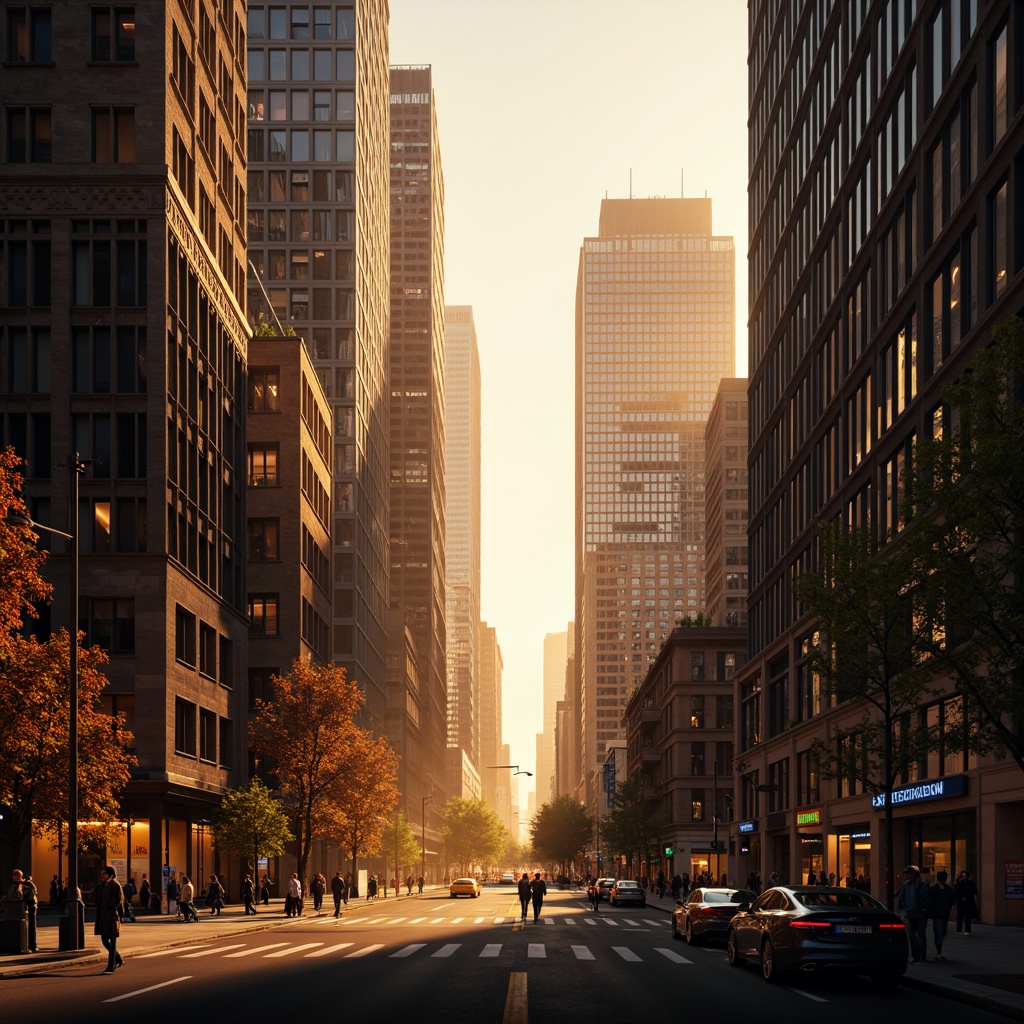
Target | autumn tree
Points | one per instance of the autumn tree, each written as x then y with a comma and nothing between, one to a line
251,823
560,830
472,833
398,841
306,733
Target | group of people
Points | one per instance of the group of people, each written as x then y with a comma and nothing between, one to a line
921,903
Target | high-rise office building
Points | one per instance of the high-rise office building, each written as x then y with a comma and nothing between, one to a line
490,713
318,250
123,336
417,402
885,196
655,330
462,519
555,657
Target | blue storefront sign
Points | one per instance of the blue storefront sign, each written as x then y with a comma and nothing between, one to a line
936,789
748,826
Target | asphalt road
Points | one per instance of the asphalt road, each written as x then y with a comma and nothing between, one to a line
465,961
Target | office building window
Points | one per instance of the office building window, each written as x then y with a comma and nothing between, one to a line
29,35
108,622
29,135
263,535
184,727
263,389
113,33
226,747
207,735
184,636
207,650
261,686
113,135
263,614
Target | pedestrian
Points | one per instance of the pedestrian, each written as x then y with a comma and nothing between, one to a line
248,895
350,889
525,894
943,901
408,885
54,891
173,896
293,901
109,911
677,886
265,891
966,902
339,891
317,888
215,896
186,894
145,895
371,888
538,890
129,891
915,902
419,885
23,890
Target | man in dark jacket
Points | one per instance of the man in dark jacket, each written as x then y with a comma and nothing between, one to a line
943,901
915,902
339,890
249,896
524,893
538,890
109,911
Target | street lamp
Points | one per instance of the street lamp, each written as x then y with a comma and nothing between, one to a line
74,939
424,800
516,772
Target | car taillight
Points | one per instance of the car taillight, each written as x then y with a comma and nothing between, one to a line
897,924
810,924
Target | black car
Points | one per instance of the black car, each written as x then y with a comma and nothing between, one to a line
625,892
706,912
819,928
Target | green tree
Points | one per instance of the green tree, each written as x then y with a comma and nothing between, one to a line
693,621
472,833
251,823
631,826
871,648
966,503
560,830
398,843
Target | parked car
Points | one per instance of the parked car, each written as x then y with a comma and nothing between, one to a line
819,929
464,887
508,879
627,892
706,913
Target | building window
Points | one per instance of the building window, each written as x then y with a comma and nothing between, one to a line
184,727
184,636
227,748
113,33
263,535
263,619
262,466
264,385
207,736
697,805
113,135
999,105
108,622
207,650
697,712
260,685
29,135
1000,241
697,666
29,35
227,667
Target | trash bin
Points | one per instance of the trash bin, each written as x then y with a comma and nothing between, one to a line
66,938
14,928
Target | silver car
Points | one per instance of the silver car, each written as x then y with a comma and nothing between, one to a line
706,913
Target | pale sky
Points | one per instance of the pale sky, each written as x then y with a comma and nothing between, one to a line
544,107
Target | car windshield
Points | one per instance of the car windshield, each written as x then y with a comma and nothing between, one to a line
738,896
464,881
837,898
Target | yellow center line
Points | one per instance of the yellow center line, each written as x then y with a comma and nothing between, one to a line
515,1001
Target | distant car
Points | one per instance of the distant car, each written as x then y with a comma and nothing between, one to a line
604,886
464,887
706,913
508,878
627,892
822,929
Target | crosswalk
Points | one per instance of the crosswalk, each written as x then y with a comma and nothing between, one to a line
355,951
572,921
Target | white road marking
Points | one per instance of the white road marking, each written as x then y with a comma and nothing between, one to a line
627,954
536,950
408,950
364,950
255,949
582,953
447,949
455,920
635,924
417,920
478,920
672,955
614,924
438,920
589,920
151,988
570,920
491,949
330,949
549,920
810,995
165,952
294,949
210,952
500,920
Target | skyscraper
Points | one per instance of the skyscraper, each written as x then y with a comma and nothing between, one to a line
319,248
490,713
655,312
462,519
417,403
124,335
555,657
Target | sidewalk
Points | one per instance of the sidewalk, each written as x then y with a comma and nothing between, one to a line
985,969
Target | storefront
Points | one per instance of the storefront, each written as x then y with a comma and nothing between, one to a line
811,846
849,851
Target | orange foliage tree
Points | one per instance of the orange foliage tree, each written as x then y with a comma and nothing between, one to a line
317,753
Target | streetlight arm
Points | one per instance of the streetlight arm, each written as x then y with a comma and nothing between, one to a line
18,519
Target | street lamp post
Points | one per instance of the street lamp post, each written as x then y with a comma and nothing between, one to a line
516,772
424,800
74,939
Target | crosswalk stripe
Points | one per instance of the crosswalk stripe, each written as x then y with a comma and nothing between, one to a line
632,924
549,920
457,920
255,949
672,955
330,949
478,920
417,920
582,953
294,949
570,920
536,949
397,920
627,954
614,924
447,949
408,950
437,920
589,920
491,949
210,952
500,920
364,950
164,952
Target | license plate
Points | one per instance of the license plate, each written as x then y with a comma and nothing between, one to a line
853,929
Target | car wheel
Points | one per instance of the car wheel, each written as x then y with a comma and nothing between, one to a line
675,930
451,895
885,981
769,971
690,937
732,951
476,895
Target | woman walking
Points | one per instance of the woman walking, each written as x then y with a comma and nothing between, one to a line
966,902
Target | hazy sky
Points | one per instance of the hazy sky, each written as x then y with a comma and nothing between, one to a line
545,107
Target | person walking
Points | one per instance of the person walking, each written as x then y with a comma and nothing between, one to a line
943,901
419,886
677,886
109,911
129,891
317,888
186,894
966,902
265,891
525,894
173,896
293,901
249,895
215,896
538,890
371,888
339,891
23,890
145,895
915,902
408,885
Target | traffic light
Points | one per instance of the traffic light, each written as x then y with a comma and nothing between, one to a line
669,852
